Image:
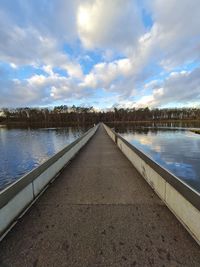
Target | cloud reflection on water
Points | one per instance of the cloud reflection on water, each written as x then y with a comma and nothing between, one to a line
24,149
175,150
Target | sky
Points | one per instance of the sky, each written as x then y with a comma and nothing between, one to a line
100,53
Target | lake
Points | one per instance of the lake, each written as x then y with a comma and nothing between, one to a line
176,149
22,150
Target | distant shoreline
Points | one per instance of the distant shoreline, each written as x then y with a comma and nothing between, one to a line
42,125
152,121
76,123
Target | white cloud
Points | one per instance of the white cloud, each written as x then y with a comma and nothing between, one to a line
109,24
103,74
16,93
13,66
150,100
178,31
40,90
152,84
180,88
57,87
55,19
48,69
173,41
35,32
29,45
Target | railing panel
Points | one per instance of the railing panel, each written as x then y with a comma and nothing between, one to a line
180,198
18,196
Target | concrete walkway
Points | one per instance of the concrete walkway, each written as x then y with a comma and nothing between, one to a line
99,212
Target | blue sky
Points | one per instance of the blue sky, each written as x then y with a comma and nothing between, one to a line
101,53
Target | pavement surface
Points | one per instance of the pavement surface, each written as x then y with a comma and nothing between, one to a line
99,212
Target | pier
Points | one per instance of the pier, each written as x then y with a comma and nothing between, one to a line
99,211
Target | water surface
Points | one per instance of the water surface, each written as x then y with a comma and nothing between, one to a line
22,150
176,149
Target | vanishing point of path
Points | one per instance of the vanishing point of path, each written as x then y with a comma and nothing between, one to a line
99,212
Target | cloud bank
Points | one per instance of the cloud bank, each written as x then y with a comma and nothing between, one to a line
134,53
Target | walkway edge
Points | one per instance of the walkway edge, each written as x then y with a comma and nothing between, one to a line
181,199
19,196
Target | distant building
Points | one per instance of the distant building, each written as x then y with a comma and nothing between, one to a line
2,113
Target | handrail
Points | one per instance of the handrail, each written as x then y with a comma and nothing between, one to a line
186,190
20,195
179,197
7,193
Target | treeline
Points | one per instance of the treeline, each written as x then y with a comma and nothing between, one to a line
88,115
